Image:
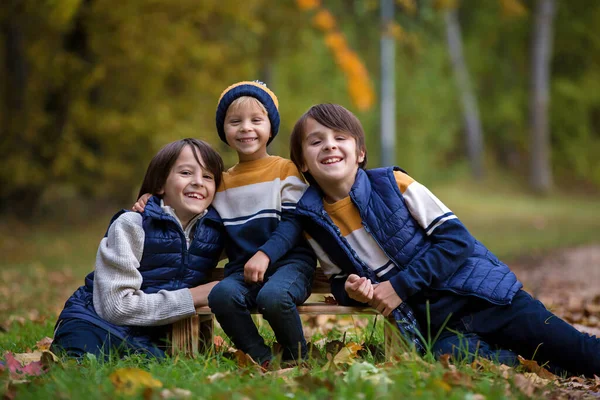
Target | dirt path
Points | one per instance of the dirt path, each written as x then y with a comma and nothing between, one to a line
567,282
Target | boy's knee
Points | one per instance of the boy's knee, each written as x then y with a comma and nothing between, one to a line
224,296
271,301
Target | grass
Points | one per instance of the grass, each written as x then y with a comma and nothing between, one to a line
43,264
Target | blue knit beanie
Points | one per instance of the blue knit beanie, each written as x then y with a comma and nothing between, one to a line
256,89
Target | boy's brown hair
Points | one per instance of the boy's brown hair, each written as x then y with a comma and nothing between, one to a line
334,117
161,164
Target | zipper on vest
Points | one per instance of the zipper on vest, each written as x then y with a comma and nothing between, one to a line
366,270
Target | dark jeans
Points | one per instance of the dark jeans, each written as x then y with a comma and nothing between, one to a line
525,327
276,299
76,337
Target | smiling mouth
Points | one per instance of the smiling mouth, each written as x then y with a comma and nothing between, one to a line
247,140
332,160
195,196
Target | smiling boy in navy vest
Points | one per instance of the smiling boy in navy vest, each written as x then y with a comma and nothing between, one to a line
386,240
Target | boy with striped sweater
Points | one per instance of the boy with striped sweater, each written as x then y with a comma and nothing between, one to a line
385,240
270,266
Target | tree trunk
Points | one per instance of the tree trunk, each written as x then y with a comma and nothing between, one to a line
388,86
541,49
473,131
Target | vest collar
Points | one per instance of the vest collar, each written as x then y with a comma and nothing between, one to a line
154,210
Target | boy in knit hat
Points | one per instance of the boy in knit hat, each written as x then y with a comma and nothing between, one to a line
270,266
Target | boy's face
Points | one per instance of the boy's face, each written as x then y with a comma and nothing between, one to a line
247,130
189,188
329,156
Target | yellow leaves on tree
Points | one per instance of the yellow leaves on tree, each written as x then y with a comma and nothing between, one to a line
324,20
358,81
513,8
308,5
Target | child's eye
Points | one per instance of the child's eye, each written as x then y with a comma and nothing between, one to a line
209,177
315,142
341,138
257,120
186,173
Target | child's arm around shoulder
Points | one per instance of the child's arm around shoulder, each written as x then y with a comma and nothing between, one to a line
451,242
289,230
118,297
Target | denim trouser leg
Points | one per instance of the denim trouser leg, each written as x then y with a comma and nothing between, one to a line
528,328
288,286
467,346
76,337
231,301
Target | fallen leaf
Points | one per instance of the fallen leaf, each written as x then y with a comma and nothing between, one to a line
175,393
129,380
533,366
20,370
246,361
217,376
44,344
330,300
526,386
457,378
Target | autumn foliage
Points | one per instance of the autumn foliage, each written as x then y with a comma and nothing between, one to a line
358,80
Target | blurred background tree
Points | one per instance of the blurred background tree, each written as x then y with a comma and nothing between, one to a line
91,89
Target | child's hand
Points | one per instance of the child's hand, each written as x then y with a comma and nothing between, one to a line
359,288
385,299
200,293
141,203
255,268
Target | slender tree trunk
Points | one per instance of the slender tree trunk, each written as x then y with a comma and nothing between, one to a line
473,131
541,49
388,86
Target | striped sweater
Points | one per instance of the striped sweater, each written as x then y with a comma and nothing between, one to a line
426,209
256,201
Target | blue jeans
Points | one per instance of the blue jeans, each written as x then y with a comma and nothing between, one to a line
75,337
527,328
276,299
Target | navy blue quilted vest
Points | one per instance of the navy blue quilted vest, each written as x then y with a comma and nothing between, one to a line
386,216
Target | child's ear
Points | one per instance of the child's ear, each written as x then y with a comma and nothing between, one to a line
304,168
361,156
161,191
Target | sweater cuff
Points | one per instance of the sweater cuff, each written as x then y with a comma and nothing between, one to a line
399,284
273,250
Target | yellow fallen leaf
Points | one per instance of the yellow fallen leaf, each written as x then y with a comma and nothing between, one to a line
44,344
129,380
347,354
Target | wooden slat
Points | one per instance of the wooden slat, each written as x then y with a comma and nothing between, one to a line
313,309
320,283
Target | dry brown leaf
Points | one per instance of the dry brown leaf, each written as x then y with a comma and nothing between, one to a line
526,386
246,361
457,378
444,359
44,344
330,300
533,366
